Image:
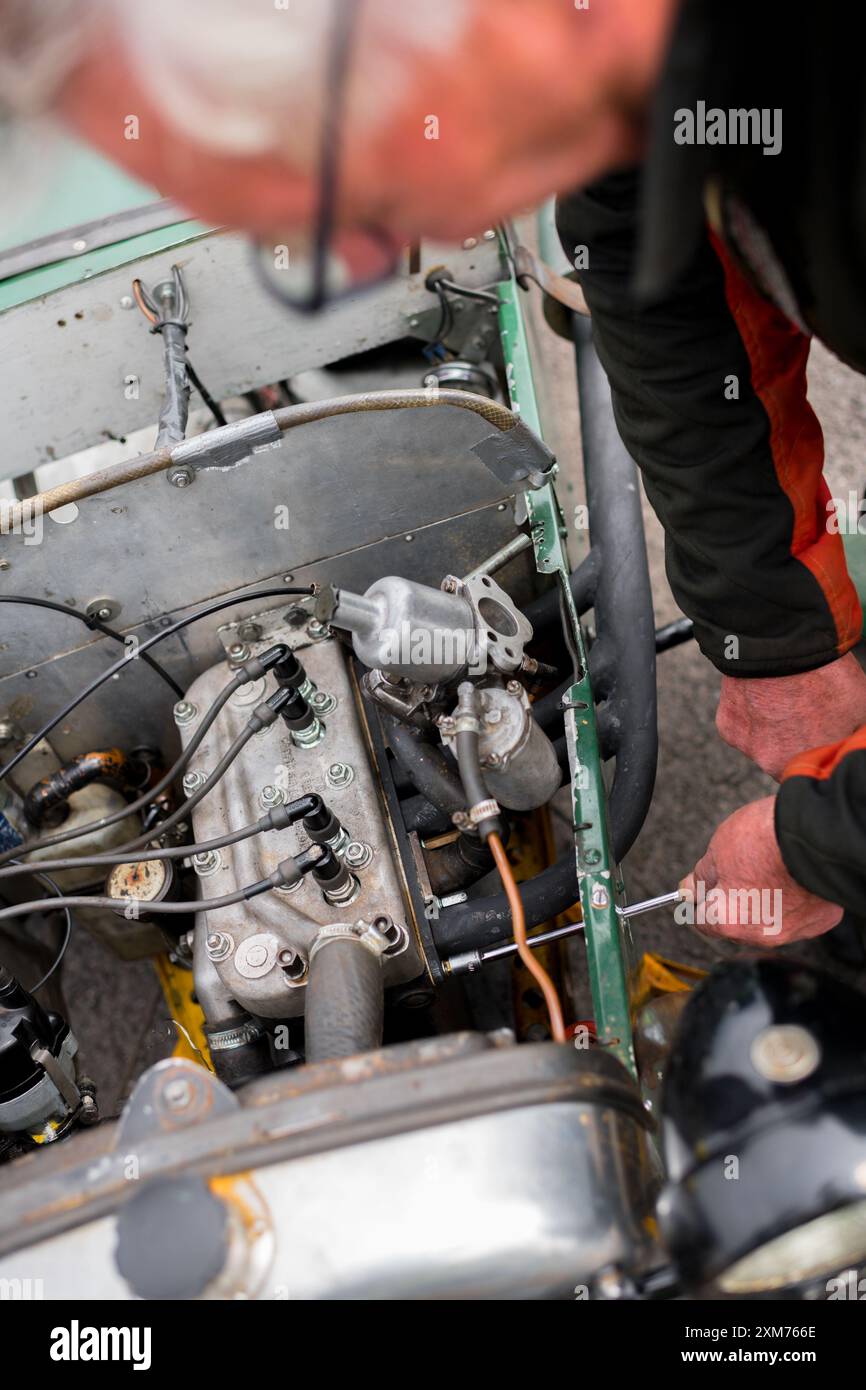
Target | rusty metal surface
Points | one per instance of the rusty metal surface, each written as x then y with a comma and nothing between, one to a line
53,1197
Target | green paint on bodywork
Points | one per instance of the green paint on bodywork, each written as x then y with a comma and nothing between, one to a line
79,187
607,943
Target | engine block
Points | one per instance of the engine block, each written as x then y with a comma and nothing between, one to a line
255,935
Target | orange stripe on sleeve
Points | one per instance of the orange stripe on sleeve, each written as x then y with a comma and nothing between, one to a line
822,762
778,353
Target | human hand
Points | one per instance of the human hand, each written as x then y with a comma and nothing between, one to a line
741,890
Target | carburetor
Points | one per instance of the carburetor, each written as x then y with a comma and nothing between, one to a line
416,633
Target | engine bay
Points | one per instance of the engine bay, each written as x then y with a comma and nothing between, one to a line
340,755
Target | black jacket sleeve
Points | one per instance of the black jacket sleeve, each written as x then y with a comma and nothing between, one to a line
709,392
821,821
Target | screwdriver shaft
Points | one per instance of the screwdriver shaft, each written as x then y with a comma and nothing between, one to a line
665,900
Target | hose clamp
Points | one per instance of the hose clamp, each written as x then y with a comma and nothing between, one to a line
229,1038
483,810
364,933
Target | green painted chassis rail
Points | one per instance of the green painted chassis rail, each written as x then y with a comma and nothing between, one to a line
608,942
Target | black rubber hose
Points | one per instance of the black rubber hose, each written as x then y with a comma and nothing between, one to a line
47,800
544,611
421,815
426,767
624,655
624,660
674,634
345,1001
485,921
473,782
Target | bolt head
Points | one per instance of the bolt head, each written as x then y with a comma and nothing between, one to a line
184,712
181,477
357,855
339,775
207,862
219,945
178,1094
785,1053
600,896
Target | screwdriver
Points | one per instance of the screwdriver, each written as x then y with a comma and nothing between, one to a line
635,909
468,961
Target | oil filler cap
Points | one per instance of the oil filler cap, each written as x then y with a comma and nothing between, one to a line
172,1239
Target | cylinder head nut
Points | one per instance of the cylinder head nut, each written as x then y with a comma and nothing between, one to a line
272,796
207,862
339,775
184,713
310,736
219,945
357,854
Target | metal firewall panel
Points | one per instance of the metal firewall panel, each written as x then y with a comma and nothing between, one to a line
80,366
49,659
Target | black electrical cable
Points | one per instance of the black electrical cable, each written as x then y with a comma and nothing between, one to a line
67,933
62,836
213,406
193,905
95,625
280,818
446,319
225,762
278,879
109,860
468,292
216,607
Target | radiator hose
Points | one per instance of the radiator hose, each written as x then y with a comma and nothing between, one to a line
345,999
